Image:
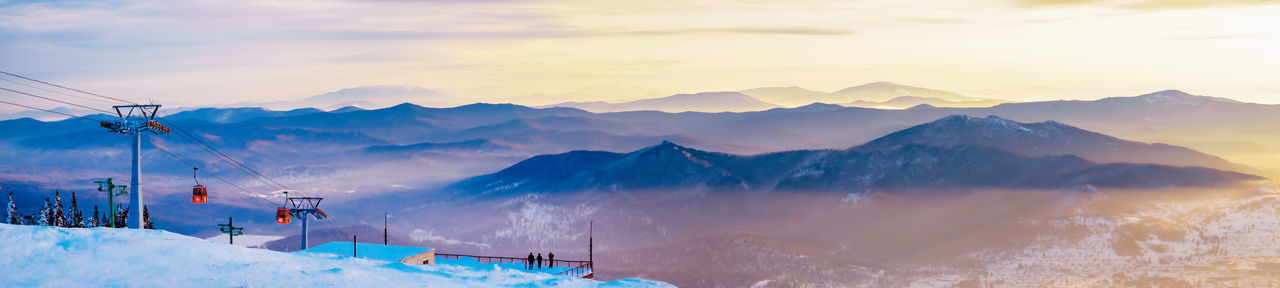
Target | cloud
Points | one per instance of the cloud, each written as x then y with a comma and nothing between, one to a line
419,235
1215,37
744,30
1146,4
937,20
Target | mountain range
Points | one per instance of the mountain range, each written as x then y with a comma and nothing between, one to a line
357,153
953,152
904,102
871,95
704,102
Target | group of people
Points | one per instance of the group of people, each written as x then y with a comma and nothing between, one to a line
551,260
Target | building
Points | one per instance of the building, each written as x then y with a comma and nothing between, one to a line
390,253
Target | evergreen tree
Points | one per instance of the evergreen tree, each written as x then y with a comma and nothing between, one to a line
12,216
93,222
59,218
74,217
146,219
122,216
45,215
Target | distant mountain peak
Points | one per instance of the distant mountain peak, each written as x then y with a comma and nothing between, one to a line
880,83
819,106
666,145
1178,97
1043,139
884,91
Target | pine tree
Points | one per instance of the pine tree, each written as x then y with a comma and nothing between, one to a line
146,219
12,216
76,218
59,218
94,222
122,216
45,215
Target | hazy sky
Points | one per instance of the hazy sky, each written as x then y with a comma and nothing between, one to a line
537,52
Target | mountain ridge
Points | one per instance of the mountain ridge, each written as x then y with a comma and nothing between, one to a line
904,165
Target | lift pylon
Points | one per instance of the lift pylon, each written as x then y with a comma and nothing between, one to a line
134,120
232,231
112,191
303,207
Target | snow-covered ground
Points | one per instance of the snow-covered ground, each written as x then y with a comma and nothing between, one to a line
251,241
35,256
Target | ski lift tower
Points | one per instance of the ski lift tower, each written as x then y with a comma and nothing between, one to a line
134,120
303,207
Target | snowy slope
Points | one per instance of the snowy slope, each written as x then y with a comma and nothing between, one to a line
34,256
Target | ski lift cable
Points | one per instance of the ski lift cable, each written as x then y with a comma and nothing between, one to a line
336,227
52,91
56,100
274,184
187,135
50,111
64,87
197,141
232,162
206,172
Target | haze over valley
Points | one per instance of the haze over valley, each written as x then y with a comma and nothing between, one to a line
765,186
707,143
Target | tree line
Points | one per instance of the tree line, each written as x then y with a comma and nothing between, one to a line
53,214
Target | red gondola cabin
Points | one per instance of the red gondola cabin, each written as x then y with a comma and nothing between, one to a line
282,215
199,194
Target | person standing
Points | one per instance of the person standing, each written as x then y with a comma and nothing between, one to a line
539,260
528,265
551,259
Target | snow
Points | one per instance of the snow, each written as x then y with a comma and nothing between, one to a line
36,256
387,253
251,241
471,262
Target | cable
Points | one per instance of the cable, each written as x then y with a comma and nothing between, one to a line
47,110
188,162
51,91
187,135
64,87
55,100
197,141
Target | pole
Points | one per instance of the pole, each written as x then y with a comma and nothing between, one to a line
304,230
353,246
384,227
110,187
591,244
231,230
111,202
136,196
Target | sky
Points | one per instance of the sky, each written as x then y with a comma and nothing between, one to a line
541,52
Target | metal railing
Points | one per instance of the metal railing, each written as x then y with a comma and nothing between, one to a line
580,268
